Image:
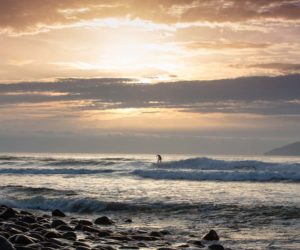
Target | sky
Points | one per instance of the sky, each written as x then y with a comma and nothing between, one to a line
141,76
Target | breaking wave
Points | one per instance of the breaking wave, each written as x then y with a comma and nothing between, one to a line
205,169
55,171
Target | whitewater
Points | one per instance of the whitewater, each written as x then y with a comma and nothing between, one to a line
254,202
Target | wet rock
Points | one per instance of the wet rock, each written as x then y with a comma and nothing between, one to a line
21,239
128,247
86,229
211,236
197,243
216,247
28,219
144,238
52,234
70,236
104,220
64,228
165,232
14,231
5,244
183,246
156,234
8,213
58,213
25,213
128,221
36,236
7,226
21,223
81,244
85,222
56,223
165,248
104,233
83,248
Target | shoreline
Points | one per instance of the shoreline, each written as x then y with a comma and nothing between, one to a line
22,229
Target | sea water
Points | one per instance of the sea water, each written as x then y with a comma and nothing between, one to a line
252,202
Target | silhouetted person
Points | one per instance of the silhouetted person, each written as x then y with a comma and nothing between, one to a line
159,159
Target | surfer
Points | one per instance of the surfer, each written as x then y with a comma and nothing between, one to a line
159,159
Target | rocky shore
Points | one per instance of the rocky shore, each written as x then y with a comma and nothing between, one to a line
27,230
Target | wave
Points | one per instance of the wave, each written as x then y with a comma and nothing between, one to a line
92,205
37,190
51,171
218,175
204,163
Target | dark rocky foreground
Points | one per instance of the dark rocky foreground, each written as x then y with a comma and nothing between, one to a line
24,230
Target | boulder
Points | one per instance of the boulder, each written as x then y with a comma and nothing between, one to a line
211,236
64,228
216,247
21,239
58,213
28,219
56,223
5,244
104,220
85,222
52,234
8,213
70,236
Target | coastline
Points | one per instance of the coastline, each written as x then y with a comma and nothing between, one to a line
33,230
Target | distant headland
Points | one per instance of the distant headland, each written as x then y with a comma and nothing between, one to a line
292,149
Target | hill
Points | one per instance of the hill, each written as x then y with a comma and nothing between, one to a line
292,149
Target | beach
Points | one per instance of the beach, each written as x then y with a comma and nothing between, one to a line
251,202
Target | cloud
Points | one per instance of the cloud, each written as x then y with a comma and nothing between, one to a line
283,67
32,15
257,95
216,45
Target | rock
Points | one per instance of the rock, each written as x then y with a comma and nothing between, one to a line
156,234
104,220
128,247
165,232
8,213
128,221
21,239
85,222
70,236
52,234
5,244
198,243
216,247
81,244
211,236
56,223
165,248
26,213
104,234
86,229
82,248
36,236
58,213
144,238
64,228
28,219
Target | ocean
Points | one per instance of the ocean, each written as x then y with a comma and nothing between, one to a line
252,202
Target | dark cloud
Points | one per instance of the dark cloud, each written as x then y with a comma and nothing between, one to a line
260,95
29,15
284,67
